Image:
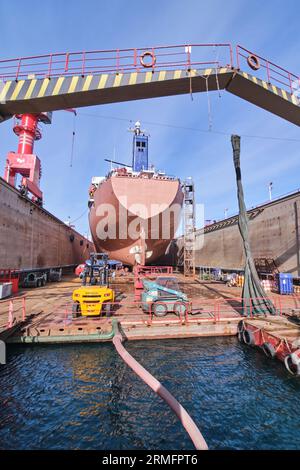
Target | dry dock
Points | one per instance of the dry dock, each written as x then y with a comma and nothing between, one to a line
44,315
48,315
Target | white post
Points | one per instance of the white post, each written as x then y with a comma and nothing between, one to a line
270,190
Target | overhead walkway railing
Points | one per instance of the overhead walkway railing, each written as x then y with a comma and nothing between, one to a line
267,71
116,61
71,80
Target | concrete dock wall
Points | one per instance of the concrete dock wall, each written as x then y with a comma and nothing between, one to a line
274,233
31,237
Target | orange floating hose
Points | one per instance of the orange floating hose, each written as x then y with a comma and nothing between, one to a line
185,419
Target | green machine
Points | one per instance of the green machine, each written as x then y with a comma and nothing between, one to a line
163,296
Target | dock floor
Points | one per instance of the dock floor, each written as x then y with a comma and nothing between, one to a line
216,311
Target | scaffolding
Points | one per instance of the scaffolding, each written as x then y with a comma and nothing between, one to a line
189,228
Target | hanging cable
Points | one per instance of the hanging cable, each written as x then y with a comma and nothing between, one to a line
208,105
73,140
75,220
216,69
192,129
217,80
191,89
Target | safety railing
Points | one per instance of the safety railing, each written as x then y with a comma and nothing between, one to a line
267,70
170,312
249,306
152,270
117,61
12,311
141,272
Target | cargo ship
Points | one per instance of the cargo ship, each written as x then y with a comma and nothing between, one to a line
135,210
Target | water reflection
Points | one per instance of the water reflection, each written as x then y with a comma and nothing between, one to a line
84,397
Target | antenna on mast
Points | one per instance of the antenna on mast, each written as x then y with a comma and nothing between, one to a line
140,148
137,129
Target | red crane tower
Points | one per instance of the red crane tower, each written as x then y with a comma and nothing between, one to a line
25,162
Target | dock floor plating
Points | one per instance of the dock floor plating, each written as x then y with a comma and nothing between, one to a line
216,311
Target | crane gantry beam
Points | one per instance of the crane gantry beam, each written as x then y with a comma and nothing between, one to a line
23,91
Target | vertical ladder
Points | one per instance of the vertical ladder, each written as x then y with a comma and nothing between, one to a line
189,228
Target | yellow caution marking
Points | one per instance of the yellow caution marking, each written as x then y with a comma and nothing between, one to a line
102,81
58,86
274,90
245,75
17,90
148,77
73,84
44,87
177,74
264,84
118,80
30,89
132,79
207,71
4,91
284,94
254,79
223,70
87,83
295,100
161,75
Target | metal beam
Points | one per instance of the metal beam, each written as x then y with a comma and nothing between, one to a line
50,94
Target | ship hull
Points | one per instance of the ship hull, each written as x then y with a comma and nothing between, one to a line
133,219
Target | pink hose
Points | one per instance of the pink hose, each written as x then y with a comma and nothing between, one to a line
157,387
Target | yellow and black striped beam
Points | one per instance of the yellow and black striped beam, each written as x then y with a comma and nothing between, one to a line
50,94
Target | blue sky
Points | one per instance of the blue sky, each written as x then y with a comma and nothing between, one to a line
269,28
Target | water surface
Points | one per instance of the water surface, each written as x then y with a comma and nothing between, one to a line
85,397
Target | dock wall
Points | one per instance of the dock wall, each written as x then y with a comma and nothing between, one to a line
31,237
274,234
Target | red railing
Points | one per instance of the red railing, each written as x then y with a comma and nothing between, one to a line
14,314
117,61
204,311
207,310
141,272
269,71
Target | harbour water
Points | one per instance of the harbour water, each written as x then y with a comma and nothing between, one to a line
85,397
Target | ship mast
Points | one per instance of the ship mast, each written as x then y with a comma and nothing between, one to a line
139,148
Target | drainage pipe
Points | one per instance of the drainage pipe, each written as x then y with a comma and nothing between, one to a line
157,387
76,338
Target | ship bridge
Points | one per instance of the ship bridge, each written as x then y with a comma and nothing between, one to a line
72,80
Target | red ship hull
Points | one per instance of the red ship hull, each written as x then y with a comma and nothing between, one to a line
134,218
